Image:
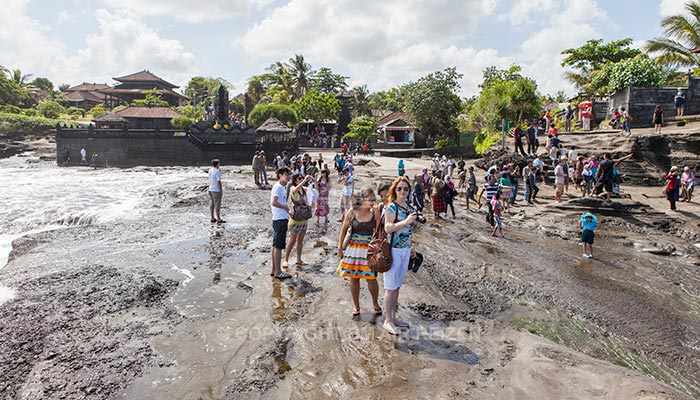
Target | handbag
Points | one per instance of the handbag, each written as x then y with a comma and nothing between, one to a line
379,251
301,210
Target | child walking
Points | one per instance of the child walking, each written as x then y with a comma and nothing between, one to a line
497,206
588,225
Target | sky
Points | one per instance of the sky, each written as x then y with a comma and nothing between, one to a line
382,44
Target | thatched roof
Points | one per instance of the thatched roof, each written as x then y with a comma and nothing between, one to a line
109,117
148,112
273,125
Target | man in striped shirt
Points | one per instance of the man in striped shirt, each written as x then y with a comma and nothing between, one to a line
490,189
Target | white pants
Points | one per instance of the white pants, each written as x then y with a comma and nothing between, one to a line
399,266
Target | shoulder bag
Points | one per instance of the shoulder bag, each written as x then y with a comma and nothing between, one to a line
379,251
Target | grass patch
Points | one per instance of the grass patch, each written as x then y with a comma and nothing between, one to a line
568,332
15,125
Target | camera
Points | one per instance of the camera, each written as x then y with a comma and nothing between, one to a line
420,218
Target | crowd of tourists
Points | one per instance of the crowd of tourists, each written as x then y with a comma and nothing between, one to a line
302,187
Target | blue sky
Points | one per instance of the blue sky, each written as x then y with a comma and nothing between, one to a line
381,44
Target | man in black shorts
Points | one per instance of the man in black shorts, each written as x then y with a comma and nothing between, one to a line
606,175
280,219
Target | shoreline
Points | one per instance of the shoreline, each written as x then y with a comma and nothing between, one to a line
467,339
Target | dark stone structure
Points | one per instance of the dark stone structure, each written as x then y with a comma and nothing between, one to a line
640,102
222,106
166,147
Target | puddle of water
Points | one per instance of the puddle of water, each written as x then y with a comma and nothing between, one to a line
6,294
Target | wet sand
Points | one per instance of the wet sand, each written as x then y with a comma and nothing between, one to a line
173,307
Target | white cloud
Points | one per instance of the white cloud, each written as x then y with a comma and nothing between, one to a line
524,11
672,7
122,45
188,10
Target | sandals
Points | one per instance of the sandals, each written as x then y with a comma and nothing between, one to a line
300,263
355,312
378,311
285,264
283,275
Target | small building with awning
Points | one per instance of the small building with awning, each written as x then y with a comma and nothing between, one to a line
273,130
397,128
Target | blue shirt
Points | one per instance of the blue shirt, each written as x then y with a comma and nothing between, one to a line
589,225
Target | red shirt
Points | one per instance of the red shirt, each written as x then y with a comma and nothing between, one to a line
673,182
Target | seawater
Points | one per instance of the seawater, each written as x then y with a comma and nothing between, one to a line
37,196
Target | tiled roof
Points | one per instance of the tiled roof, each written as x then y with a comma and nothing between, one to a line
87,87
148,112
395,116
81,95
144,76
137,91
109,117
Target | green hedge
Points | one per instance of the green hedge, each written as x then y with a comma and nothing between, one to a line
485,139
14,125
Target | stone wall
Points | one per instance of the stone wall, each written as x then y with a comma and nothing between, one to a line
641,102
117,148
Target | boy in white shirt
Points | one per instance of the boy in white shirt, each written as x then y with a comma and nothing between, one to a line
215,192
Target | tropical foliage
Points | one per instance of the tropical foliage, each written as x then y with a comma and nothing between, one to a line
586,61
362,128
682,35
152,99
434,103
182,122
317,107
282,112
640,71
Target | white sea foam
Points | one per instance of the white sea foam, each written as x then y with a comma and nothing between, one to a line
6,294
41,196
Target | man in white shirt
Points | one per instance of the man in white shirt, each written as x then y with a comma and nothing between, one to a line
215,192
83,156
280,219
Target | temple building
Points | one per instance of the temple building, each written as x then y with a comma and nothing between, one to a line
86,95
148,117
131,87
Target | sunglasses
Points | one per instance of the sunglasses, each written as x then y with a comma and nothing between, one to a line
402,188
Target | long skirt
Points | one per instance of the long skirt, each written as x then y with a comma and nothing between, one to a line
354,262
322,208
439,205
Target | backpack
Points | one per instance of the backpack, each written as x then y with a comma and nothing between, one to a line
379,251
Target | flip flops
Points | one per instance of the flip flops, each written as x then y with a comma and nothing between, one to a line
283,275
415,262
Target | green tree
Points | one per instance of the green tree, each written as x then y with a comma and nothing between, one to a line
50,109
505,94
317,107
98,110
390,100
190,112
203,91
43,84
360,103
63,87
434,103
362,128
301,72
326,81
152,99
591,57
10,91
640,71
282,112
182,122
682,35
237,105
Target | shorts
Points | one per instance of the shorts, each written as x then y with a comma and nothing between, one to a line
393,278
560,188
587,236
345,202
279,236
497,221
608,185
215,201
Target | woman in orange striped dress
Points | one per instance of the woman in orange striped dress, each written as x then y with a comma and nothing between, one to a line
362,219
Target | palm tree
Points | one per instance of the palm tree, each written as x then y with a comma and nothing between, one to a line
301,72
282,77
682,39
361,101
